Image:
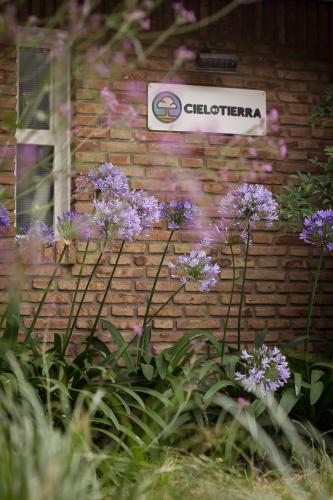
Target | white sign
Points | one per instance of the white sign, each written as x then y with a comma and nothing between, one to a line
193,108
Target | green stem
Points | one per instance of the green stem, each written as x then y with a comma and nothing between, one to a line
242,291
230,301
105,295
86,289
310,309
156,278
162,306
68,330
42,302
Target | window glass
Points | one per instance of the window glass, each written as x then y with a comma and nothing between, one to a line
34,84
34,187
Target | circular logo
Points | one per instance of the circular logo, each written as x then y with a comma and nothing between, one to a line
166,107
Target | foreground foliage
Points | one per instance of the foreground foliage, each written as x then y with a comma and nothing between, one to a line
40,461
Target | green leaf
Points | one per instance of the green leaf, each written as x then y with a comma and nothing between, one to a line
324,364
161,365
100,346
316,391
119,340
288,400
260,338
215,388
298,383
57,343
148,371
316,375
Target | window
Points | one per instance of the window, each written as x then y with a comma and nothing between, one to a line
43,145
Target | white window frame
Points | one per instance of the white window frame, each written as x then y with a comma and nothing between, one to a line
58,134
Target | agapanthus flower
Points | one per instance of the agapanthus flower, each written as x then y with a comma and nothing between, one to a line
247,205
318,230
106,179
4,219
73,226
179,213
265,370
117,219
217,233
196,266
146,206
38,233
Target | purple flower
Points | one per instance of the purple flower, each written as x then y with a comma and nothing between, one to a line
4,219
106,179
138,330
110,99
247,205
146,206
38,232
179,213
318,230
184,54
216,233
197,267
117,219
266,370
73,226
183,15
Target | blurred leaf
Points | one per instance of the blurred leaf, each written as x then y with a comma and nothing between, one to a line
316,391
119,340
147,370
298,383
260,338
215,388
288,400
316,375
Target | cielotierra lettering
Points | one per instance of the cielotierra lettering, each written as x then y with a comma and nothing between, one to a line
203,109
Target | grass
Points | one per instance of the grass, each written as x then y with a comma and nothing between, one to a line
190,477
38,461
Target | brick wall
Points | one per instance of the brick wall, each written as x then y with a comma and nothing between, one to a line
203,167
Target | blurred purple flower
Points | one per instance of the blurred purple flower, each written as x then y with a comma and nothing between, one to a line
273,115
266,370
247,205
183,16
179,213
138,330
318,230
4,219
145,24
38,233
197,267
216,233
117,219
73,226
184,54
147,208
109,99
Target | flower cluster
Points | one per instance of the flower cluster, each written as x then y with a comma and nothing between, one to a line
197,267
266,370
106,179
147,208
73,226
179,213
318,230
4,219
247,205
38,232
117,219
